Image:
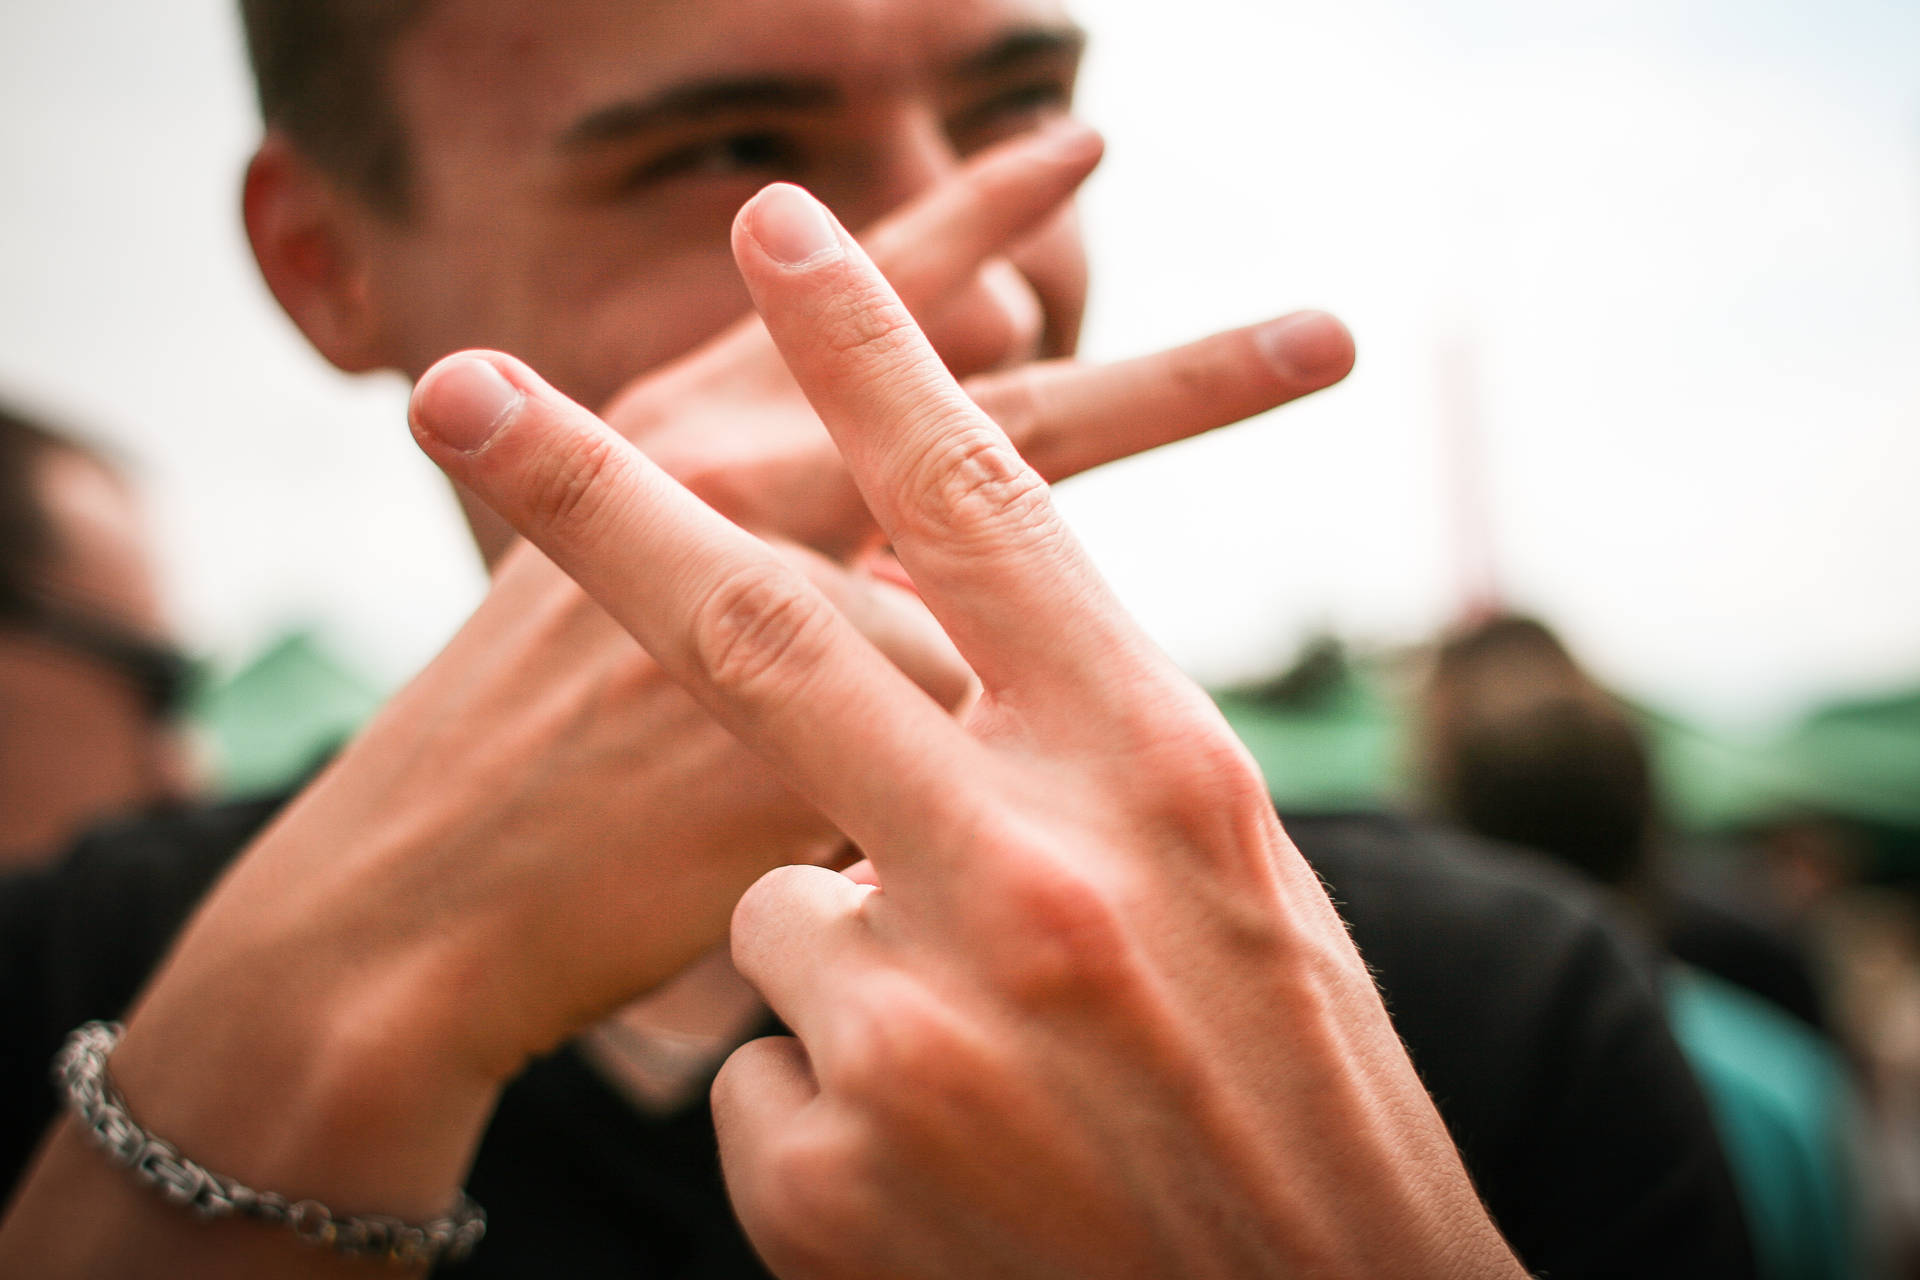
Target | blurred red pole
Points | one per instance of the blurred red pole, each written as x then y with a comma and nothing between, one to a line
1464,472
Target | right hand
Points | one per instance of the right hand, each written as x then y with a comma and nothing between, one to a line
1090,1013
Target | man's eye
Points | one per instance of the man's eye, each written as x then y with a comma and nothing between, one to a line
1015,111
756,154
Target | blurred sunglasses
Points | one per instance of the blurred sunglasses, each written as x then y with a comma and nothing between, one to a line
164,676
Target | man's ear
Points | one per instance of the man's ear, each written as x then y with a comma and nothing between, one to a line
309,239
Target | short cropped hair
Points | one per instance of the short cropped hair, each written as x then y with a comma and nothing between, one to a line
1568,777
321,70
1524,746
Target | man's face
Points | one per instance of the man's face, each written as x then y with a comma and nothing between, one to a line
577,163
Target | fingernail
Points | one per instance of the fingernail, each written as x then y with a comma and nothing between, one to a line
1309,347
793,228
1070,136
464,402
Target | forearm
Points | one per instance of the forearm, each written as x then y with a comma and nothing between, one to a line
313,1075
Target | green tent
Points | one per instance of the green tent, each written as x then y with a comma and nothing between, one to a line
277,717
1327,734
1334,731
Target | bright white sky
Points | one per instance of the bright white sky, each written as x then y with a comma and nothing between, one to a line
1674,244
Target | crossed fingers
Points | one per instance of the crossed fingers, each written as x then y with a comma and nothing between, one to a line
971,522
727,420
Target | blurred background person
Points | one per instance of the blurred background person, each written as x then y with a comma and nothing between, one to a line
1515,741
90,682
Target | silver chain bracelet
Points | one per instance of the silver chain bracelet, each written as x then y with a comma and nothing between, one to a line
80,1071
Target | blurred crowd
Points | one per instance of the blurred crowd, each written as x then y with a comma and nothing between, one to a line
1787,921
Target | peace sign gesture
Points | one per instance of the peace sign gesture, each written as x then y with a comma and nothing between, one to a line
1093,1015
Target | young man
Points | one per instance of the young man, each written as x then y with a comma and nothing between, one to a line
544,825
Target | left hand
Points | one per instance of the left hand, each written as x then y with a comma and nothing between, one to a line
729,422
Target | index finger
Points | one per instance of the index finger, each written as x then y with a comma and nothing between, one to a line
973,525
752,640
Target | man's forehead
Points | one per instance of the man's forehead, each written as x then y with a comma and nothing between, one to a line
542,59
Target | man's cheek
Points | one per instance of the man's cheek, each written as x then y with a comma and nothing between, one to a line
639,320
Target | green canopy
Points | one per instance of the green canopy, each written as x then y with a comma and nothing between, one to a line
282,713
1857,760
1334,732
1327,735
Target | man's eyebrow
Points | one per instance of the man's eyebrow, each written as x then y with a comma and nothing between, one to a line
1016,49
698,100
695,101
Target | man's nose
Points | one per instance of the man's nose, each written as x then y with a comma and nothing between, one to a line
995,322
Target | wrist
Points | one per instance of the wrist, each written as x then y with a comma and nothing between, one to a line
347,1083
100,1113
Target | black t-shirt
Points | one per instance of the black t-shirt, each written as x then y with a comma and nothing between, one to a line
1536,1032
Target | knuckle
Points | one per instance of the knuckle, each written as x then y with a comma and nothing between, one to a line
1190,758
568,486
900,1042
1011,317
1077,939
1212,771
972,485
1207,792
1213,370
758,625
864,322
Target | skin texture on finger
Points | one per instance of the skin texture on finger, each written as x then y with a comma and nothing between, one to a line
972,524
752,640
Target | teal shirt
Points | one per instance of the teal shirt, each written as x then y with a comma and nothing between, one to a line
1780,1096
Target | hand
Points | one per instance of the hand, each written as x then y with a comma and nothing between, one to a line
1093,1015
542,825
570,739
538,828
542,737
